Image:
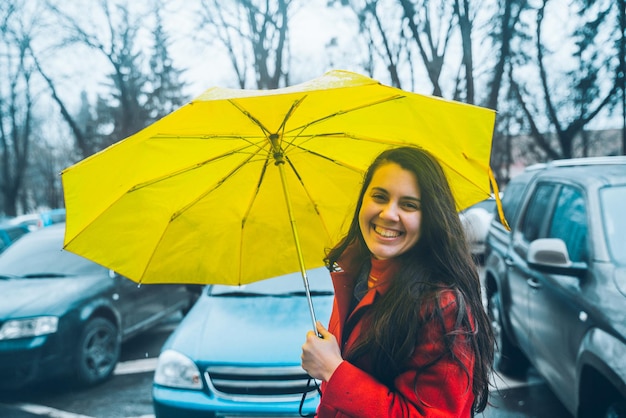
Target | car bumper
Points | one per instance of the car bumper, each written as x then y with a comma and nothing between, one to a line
27,360
178,403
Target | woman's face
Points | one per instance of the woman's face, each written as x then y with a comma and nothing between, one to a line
391,215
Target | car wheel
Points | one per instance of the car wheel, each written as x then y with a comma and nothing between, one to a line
616,409
98,352
508,359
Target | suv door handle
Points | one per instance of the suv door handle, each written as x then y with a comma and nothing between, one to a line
508,261
532,282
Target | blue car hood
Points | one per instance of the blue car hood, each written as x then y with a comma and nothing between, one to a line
258,330
54,296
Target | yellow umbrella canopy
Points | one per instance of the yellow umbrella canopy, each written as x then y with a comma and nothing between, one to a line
242,185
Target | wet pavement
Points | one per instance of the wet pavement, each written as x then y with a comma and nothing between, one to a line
128,394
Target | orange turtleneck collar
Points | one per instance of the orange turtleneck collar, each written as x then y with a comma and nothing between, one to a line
382,271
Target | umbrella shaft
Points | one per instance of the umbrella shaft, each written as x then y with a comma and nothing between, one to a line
281,168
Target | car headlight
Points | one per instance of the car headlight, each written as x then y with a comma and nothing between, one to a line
29,327
177,370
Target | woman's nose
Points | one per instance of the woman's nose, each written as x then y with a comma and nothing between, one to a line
390,211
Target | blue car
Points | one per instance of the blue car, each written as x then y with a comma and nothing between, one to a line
11,233
63,316
238,351
52,216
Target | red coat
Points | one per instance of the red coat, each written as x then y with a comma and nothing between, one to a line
443,390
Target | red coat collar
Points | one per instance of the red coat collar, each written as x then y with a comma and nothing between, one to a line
344,282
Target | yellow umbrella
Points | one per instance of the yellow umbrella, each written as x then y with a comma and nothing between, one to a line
243,185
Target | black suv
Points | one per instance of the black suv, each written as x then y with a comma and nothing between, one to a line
556,282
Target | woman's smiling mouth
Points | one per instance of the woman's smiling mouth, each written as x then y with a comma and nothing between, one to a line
386,233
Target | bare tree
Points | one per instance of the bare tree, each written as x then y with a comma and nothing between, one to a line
143,87
254,34
431,27
83,139
505,30
16,102
381,24
505,24
123,111
570,100
47,159
465,18
621,4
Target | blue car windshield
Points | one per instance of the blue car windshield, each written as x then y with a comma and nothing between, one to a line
612,203
289,284
41,254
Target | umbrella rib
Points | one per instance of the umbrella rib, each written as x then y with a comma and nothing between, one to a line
302,128
308,194
376,140
251,117
292,109
176,173
462,175
244,219
217,185
195,167
195,200
205,136
342,135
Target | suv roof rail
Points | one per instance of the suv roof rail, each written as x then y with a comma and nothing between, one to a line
572,162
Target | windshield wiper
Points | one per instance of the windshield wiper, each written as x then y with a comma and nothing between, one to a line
274,295
8,276
43,275
239,294
313,293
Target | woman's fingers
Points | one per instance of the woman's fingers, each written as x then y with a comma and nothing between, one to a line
320,355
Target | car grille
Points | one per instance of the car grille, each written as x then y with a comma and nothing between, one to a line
259,384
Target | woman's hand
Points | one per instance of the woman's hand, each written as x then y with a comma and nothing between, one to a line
320,355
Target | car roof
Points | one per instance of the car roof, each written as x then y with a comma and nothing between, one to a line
590,171
8,226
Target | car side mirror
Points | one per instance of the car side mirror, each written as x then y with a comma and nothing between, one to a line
113,274
550,255
194,289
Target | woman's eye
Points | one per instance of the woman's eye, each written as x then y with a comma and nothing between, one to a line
379,197
411,206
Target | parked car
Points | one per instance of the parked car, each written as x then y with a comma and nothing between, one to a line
52,216
476,220
556,283
11,233
238,351
32,221
63,315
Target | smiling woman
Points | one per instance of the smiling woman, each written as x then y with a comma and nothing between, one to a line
391,214
408,335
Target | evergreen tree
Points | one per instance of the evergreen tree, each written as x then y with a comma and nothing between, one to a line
166,88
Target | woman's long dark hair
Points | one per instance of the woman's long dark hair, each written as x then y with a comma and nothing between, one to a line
440,260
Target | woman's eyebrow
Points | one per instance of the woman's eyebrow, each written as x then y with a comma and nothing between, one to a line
383,190
380,189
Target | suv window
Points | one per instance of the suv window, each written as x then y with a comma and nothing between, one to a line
536,212
15,233
569,222
612,203
510,202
